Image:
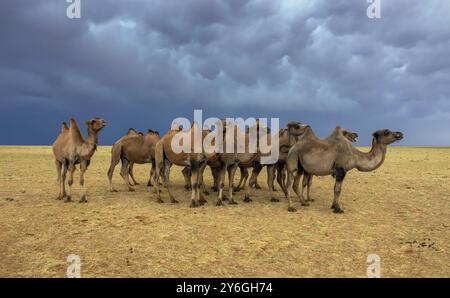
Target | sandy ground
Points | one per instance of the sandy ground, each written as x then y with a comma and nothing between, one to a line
400,212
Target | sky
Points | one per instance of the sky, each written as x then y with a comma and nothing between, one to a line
143,63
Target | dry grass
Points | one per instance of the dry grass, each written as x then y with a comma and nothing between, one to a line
400,212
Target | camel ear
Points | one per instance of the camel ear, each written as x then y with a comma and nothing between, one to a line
376,135
88,122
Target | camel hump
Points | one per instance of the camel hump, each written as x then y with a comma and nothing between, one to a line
155,132
75,130
64,127
131,131
73,122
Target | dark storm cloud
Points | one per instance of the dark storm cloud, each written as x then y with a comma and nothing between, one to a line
143,63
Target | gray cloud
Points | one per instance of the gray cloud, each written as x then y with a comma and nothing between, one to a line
319,61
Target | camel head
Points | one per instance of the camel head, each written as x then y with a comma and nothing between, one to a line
297,128
176,127
349,135
386,137
96,124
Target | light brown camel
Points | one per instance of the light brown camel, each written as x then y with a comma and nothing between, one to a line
131,149
335,156
115,153
228,162
287,138
165,157
71,149
133,132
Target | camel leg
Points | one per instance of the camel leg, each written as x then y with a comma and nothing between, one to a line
220,184
130,172
83,168
195,201
308,191
201,184
231,173
340,175
166,168
300,195
254,178
203,187
243,180
124,173
289,183
70,182
215,175
151,175
296,185
281,176
63,181
158,171
114,162
248,195
62,191
187,178
270,182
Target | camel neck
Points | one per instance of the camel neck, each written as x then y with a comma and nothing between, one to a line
372,160
92,137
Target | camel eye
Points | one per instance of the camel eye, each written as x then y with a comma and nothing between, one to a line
386,132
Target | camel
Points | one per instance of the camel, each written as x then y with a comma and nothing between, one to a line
165,157
230,161
335,156
131,149
133,132
115,152
70,149
287,138
247,160
307,178
221,163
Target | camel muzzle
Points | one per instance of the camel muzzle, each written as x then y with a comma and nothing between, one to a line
399,135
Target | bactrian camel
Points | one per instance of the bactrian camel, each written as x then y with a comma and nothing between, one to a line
307,178
286,138
115,151
70,149
335,156
196,161
131,149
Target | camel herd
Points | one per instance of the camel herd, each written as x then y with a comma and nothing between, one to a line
301,153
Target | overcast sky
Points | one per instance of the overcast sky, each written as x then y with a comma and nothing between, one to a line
142,63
